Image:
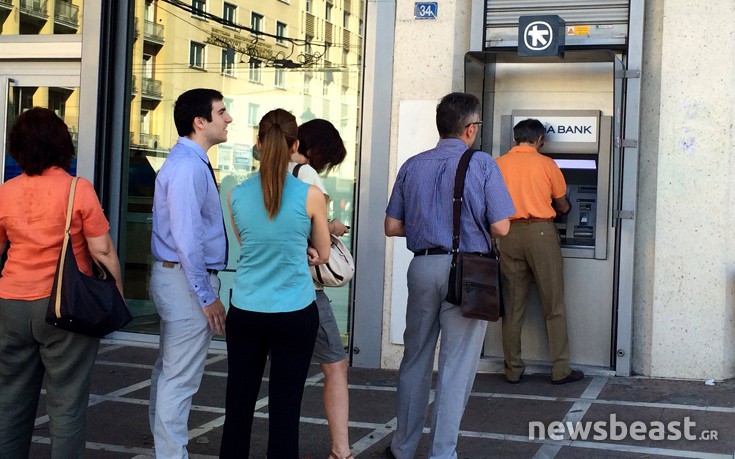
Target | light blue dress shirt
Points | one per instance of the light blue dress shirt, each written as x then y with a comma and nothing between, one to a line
187,217
423,192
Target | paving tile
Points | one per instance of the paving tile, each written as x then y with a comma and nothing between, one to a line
510,416
128,354
569,452
110,378
670,391
535,384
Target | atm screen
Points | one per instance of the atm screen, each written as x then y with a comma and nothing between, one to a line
576,163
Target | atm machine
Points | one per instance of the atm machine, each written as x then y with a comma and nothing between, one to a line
575,96
579,141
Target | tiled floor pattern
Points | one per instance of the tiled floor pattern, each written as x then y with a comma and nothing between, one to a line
495,425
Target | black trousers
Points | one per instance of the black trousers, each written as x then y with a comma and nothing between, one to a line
289,339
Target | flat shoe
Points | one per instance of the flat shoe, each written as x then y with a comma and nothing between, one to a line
574,376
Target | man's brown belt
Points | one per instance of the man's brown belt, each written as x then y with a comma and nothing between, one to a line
532,220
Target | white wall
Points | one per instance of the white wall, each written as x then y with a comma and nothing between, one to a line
684,297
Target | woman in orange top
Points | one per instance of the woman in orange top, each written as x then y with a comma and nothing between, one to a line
32,220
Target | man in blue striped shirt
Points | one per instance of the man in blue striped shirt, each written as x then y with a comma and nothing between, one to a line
420,208
190,246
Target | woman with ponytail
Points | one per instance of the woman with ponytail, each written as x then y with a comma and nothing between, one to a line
273,309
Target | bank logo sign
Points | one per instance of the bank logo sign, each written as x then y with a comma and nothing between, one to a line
541,35
573,129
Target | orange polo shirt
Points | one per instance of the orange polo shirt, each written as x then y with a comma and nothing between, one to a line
533,180
32,218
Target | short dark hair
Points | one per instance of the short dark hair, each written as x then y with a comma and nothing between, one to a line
528,130
38,140
191,104
454,112
321,143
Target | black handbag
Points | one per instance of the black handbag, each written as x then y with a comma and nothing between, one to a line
90,305
474,278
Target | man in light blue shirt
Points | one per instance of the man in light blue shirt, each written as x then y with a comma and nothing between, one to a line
420,208
189,245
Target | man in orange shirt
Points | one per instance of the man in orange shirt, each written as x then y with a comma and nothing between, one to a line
531,249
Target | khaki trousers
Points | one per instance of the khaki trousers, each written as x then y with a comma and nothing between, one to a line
531,251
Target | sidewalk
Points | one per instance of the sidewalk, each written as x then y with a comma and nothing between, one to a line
495,425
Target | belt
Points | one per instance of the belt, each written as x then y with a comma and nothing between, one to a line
532,220
172,264
432,251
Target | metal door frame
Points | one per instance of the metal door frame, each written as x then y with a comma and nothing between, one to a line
56,60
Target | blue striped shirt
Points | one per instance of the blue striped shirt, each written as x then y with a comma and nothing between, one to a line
422,198
187,217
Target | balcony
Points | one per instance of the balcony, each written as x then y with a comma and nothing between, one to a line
35,8
151,88
153,32
152,37
149,140
151,93
33,16
66,17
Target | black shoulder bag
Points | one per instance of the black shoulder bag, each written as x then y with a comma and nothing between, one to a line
474,278
90,305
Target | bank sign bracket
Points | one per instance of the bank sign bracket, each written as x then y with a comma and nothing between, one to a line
425,10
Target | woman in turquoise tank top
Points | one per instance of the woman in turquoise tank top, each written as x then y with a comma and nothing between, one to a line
273,309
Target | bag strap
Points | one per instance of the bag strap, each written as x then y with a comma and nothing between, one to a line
296,170
64,248
70,205
464,163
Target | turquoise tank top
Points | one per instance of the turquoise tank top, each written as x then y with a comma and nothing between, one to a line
272,272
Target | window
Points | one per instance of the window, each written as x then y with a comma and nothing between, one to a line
308,6
256,22
198,7
196,55
228,62
254,70
229,14
359,27
327,47
280,79
345,20
280,33
308,39
328,12
253,114
148,64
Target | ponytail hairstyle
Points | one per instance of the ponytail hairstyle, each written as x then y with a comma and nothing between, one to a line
277,133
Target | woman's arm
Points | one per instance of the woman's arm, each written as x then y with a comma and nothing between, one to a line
103,250
232,218
316,209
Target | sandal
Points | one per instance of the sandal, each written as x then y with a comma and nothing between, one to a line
333,455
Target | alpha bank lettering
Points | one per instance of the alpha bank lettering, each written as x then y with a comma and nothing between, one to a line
575,129
568,130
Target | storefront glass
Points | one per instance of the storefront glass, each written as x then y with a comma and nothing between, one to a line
304,57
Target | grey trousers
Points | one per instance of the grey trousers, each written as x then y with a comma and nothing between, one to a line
428,316
177,373
30,348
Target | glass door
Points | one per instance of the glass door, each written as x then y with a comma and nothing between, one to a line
20,93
